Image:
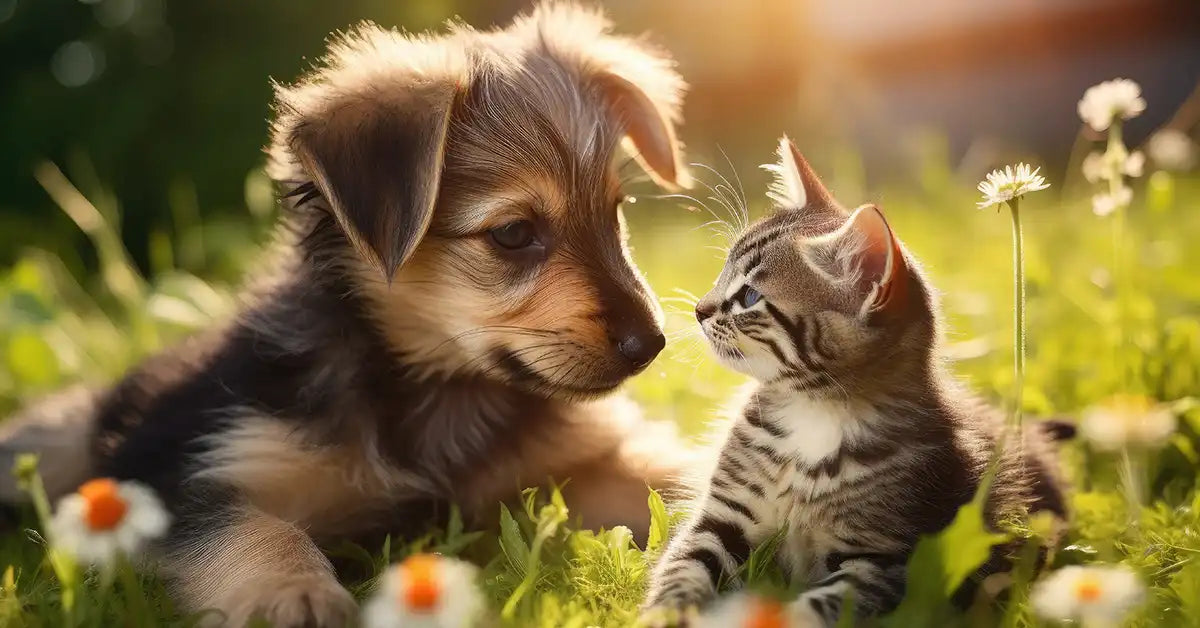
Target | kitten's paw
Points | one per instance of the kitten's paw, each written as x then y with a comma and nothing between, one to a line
669,617
299,601
801,615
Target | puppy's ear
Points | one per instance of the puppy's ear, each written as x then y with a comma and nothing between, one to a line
638,81
378,164
649,132
369,133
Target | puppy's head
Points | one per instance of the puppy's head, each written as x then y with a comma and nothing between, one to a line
470,184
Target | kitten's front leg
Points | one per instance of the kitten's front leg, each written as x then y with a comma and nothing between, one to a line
734,515
876,582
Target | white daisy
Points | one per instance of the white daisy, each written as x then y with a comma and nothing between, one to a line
1103,103
105,519
1127,420
1094,169
1099,166
1106,203
1134,164
426,591
743,610
1100,594
1172,149
1004,185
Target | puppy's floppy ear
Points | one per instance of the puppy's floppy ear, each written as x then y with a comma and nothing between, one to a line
369,131
379,165
638,82
649,132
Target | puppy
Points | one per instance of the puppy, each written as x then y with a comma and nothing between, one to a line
452,307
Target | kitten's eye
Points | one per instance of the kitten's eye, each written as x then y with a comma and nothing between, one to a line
748,296
518,234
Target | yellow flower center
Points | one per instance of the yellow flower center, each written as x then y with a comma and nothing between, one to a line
421,588
104,506
1088,590
765,614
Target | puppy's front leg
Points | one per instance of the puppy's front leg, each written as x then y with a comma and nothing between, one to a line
612,488
246,564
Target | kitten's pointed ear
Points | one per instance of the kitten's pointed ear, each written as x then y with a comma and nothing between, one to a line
796,185
865,253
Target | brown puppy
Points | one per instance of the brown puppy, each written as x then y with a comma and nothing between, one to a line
453,305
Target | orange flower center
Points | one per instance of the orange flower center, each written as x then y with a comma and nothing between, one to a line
105,508
765,614
1088,590
421,588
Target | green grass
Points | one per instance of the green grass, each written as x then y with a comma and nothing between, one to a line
1083,347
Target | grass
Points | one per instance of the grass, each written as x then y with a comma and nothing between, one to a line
1083,348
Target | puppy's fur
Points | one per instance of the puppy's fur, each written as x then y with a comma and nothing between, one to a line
401,358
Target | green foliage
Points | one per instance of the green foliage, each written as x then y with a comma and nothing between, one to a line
939,565
55,330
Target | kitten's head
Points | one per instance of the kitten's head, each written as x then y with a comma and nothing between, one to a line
819,297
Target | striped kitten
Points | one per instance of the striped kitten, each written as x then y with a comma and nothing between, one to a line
855,440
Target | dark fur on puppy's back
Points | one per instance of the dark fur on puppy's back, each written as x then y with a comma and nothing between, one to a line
400,356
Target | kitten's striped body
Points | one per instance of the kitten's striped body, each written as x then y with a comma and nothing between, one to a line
854,442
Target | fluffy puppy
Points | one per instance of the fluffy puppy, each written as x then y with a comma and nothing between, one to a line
454,305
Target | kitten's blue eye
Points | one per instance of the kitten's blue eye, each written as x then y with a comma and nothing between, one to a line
748,296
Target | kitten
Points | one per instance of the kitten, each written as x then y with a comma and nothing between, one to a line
855,440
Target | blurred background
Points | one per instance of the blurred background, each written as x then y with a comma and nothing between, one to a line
165,102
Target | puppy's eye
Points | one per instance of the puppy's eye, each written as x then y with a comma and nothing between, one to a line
748,296
515,235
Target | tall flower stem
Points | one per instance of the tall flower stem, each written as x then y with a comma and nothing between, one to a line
1018,312
1117,153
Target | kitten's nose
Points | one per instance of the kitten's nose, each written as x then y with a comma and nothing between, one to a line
641,348
704,311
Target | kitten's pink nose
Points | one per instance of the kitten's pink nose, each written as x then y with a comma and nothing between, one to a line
704,311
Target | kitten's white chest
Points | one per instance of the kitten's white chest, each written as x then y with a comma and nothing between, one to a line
816,428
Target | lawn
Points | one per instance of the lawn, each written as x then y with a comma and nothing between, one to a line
1102,321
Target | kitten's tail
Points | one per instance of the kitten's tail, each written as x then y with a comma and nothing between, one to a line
58,429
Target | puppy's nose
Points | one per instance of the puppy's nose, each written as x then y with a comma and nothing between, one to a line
641,348
704,311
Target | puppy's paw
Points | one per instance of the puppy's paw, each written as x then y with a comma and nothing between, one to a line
298,601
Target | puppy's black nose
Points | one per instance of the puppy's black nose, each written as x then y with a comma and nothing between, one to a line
704,311
641,349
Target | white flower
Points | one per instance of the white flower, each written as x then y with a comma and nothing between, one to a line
1118,98
1094,593
1134,164
1099,166
1107,203
1127,420
426,591
1004,185
1172,149
1094,167
743,610
105,519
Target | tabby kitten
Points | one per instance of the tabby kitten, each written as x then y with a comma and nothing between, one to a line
855,440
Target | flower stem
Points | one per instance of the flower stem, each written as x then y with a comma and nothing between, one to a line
1134,478
1018,313
1117,153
